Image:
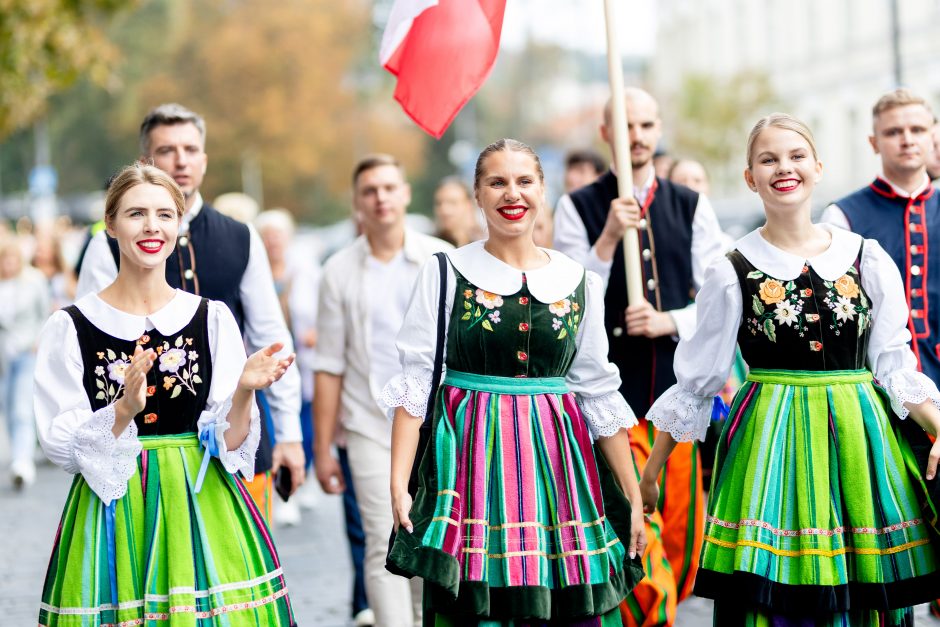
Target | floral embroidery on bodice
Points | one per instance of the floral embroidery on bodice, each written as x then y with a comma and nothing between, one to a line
807,323
512,336
177,384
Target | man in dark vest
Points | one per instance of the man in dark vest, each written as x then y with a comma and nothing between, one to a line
679,236
221,259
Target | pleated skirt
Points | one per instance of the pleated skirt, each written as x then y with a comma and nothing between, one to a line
177,558
515,518
817,507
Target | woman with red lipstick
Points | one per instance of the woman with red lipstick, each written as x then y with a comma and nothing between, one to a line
819,513
516,520
144,393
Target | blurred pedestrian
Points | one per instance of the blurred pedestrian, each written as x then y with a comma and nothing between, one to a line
933,159
679,236
25,308
690,173
582,167
819,513
132,383
222,259
364,291
455,215
48,259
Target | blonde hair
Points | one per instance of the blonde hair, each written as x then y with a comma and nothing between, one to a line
505,144
140,174
900,97
784,121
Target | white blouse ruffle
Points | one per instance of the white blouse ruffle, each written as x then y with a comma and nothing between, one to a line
704,360
80,440
592,378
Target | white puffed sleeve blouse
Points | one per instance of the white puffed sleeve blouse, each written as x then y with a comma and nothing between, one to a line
704,360
593,379
80,440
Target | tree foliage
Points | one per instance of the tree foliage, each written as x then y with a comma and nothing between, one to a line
711,118
46,46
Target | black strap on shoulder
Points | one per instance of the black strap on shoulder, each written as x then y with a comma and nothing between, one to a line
441,323
741,268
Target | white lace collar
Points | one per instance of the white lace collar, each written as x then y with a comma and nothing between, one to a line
829,264
552,282
169,319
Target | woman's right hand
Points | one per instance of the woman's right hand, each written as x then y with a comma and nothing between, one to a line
135,384
401,511
649,490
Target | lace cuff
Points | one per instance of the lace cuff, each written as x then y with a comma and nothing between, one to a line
606,415
105,462
241,459
910,386
410,390
683,414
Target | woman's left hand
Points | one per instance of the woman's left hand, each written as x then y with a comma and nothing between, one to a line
637,530
933,459
263,368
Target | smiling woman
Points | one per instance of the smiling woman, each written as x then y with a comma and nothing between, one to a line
527,392
154,449
819,511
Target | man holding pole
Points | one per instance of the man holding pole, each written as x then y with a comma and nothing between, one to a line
678,236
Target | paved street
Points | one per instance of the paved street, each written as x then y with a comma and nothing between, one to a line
314,556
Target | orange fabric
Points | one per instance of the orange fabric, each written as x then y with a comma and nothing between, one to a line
261,487
674,533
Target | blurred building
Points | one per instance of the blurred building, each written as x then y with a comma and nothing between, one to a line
827,61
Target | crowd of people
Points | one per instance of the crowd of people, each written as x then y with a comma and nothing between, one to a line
515,441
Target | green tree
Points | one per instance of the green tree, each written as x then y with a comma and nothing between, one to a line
46,46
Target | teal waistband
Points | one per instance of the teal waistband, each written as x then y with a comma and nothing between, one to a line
182,440
506,385
809,377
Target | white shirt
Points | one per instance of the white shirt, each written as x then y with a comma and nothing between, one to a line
80,440
263,321
304,288
704,360
387,305
344,329
708,242
834,215
593,379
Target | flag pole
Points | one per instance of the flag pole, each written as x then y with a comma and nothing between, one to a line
618,114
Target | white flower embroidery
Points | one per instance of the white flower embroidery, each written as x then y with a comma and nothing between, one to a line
99,371
193,356
116,371
786,313
556,323
171,360
489,299
494,317
844,309
561,308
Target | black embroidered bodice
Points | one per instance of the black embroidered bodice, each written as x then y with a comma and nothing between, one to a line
807,323
177,384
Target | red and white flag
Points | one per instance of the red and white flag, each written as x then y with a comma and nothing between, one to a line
441,51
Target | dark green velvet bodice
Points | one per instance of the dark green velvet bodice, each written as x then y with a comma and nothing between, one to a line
512,336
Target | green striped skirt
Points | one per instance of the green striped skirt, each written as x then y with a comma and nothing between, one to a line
816,502
515,518
177,557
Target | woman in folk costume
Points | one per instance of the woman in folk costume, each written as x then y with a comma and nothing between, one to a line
145,394
516,520
819,513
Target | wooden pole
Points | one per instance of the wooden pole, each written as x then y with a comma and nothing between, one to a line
618,115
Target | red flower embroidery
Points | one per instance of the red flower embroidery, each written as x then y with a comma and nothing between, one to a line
523,300
807,292
143,339
150,419
522,356
523,326
151,390
815,346
805,269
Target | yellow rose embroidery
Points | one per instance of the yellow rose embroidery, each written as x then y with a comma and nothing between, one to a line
772,291
846,286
